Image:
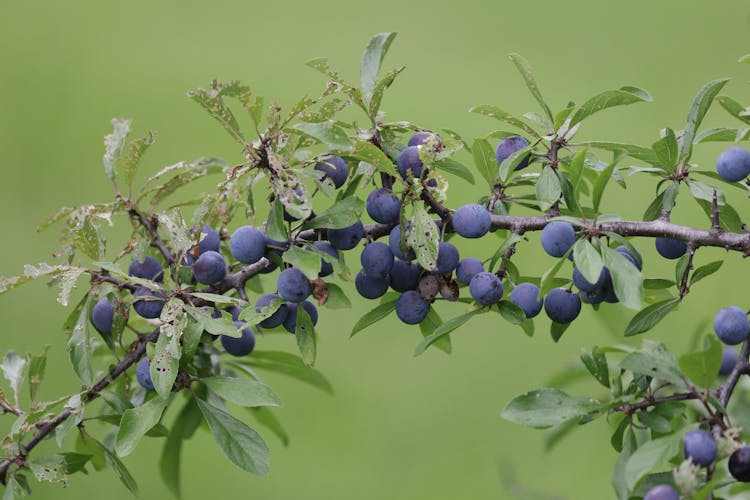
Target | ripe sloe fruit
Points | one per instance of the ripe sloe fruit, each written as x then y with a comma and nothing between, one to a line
148,269
348,237
248,244
486,288
210,268
526,296
731,325
561,305
700,447
447,258
508,146
394,242
669,248
383,206
326,268
143,374
662,492
102,316
557,238
729,359
421,138
149,309
335,169
739,464
293,285
377,260
240,346
411,308
733,164
472,221
210,240
371,287
467,268
409,161
404,275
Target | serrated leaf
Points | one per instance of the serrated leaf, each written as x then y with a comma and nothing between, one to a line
239,443
587,260
243,392
698,110
342,214
545,408
453,167
548,189
627,279
608,99
484,160
113,146
305,334
702,367
372,58
136,422
287,364
133,155
212,100
423,236
705,271
79,345
527,73
650,316
375,315
445,329
176,229
165,362
369,153
329,133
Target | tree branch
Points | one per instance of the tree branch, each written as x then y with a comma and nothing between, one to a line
150,226
137,350
742,367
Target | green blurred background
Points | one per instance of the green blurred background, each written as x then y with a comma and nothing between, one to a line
398,426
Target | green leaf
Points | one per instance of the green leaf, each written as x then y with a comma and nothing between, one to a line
122,472
342,214
287,364
511,312
337,298
275,227
545,408
702,367
557,329
429,324
372,317
722,134
729,219
499,114
514,160
37,367
601,182
649,456
305,333
650,316
608,99
330,134
423,236
697,111
369,153
133,155
305,261
268,419
705,271
51,468
136,422
174,225
656,362
372,58
528,75
76,462
167,353
587,260
212,100
627,279
666,149
239,443
183,427
453,167
242,392
734,108
113,146
638,152
548,281
596,363
444,329
87,237
548,189
703,191
484,160
79,346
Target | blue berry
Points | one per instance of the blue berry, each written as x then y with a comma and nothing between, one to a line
276,318
526,296
394,241
733,164
210,268
421,138
371,287
669,248
326,268
557,238
335,169
662,492
290,323
411,308
561,305
508,146
467,268
700,447
447,258
143,374
348,237
471,221
240,346
731,325
377,260
729,359
404,275
148,269
102,316
149,309
409,162
486,288
383,206
293,285
248,244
